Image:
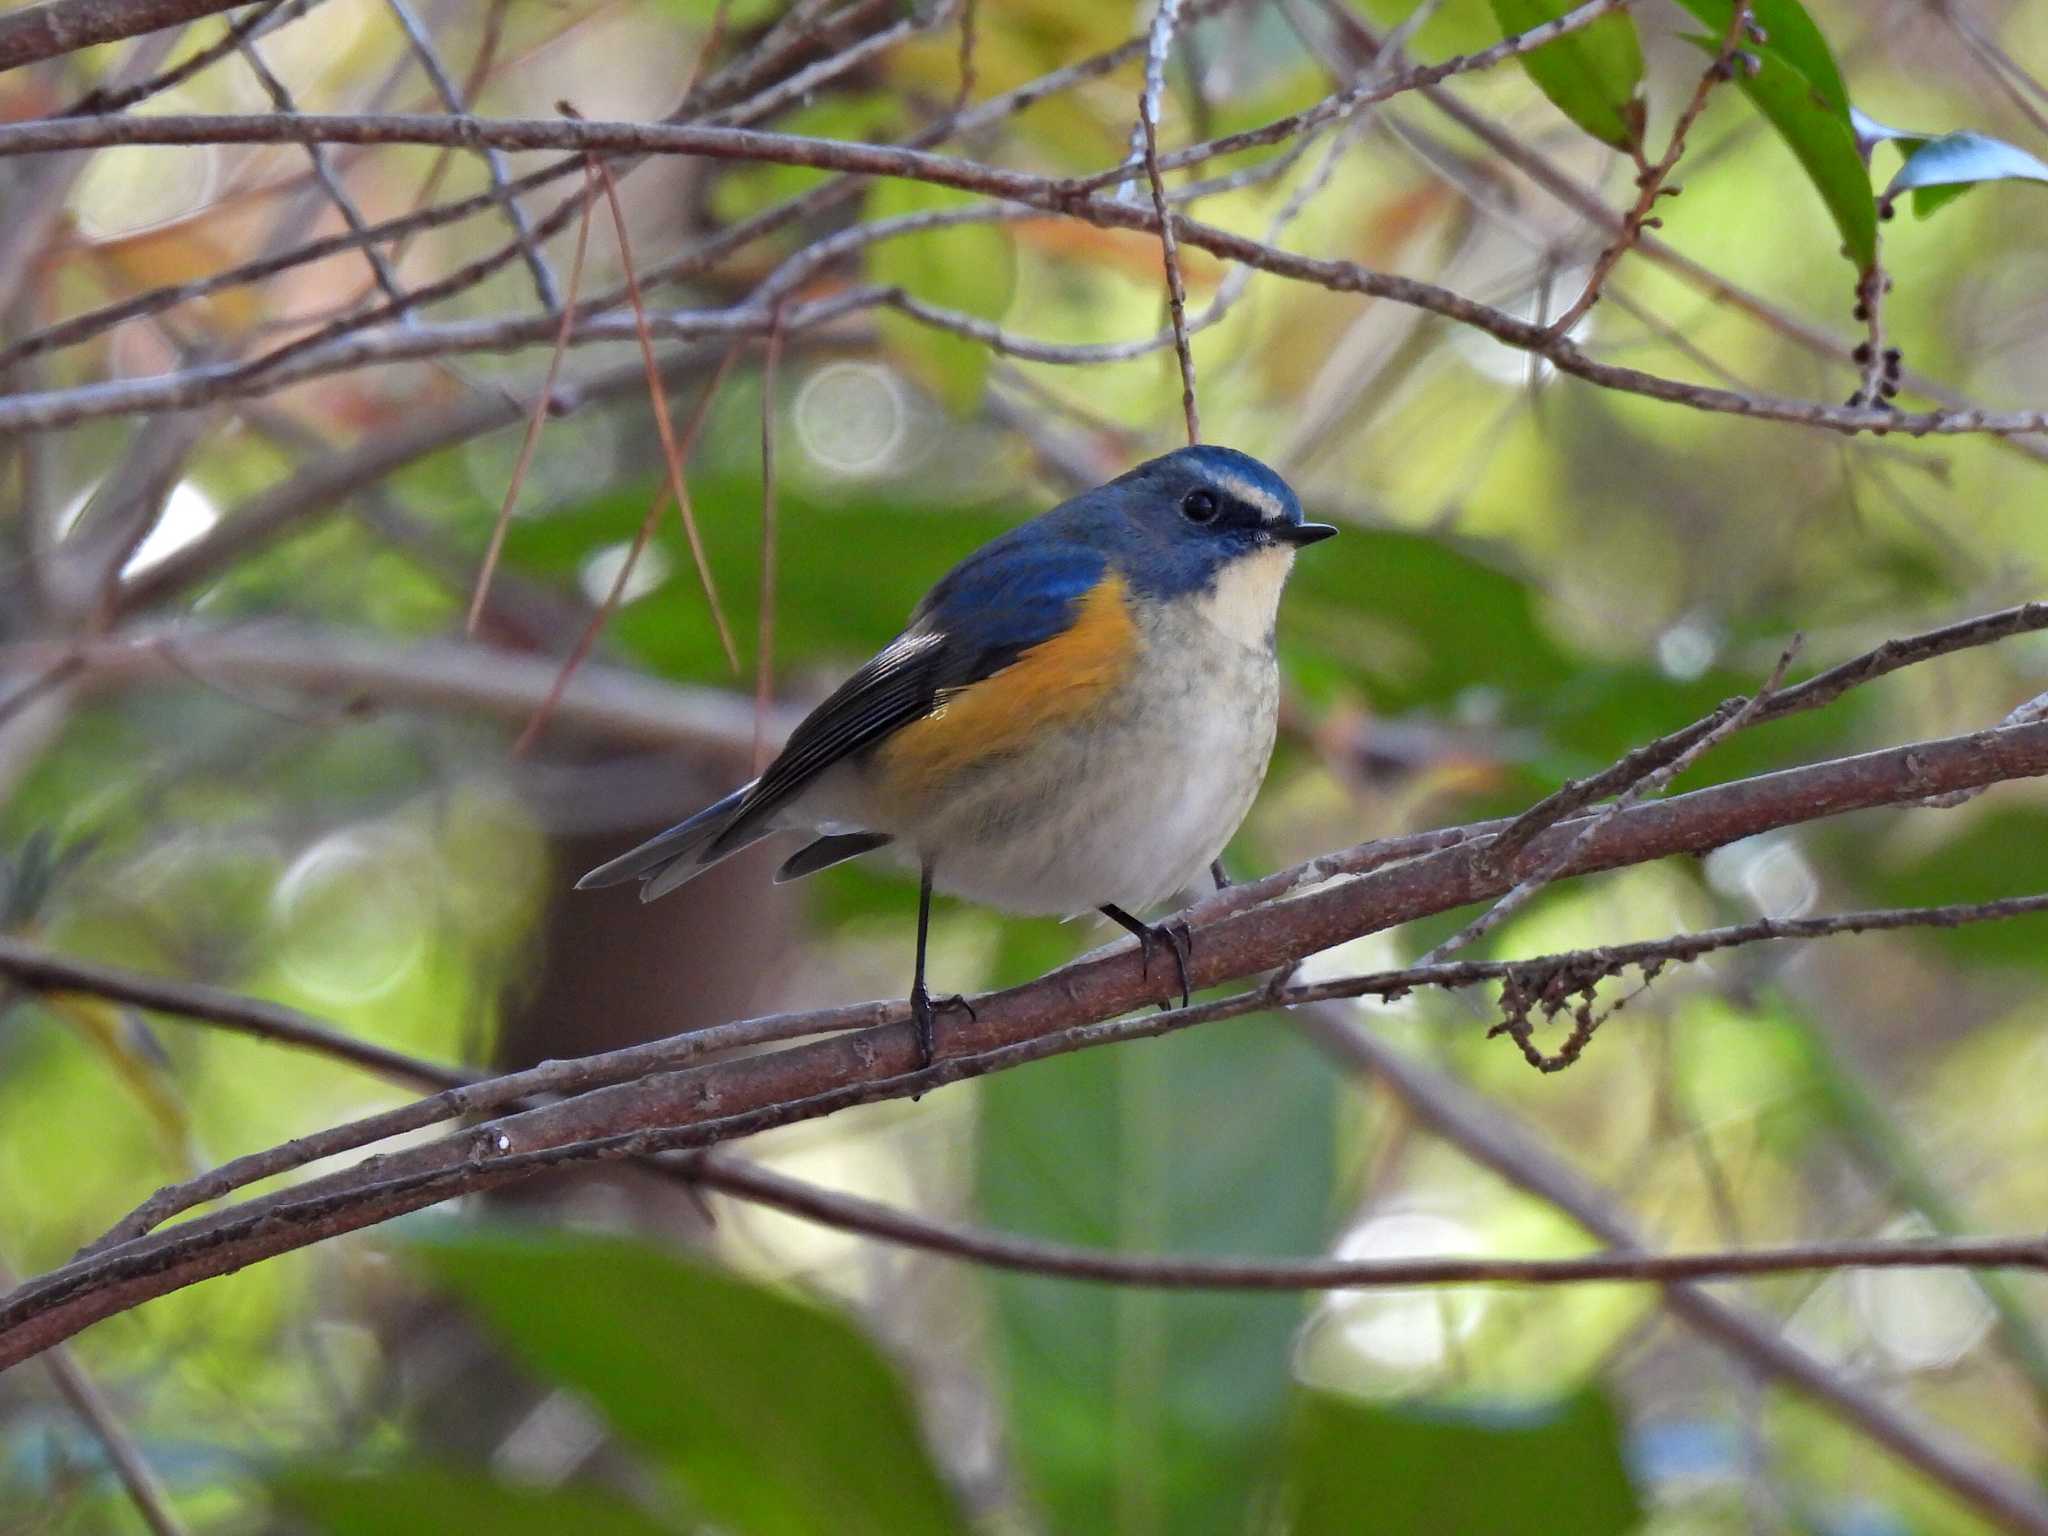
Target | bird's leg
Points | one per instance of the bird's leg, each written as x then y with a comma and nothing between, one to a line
1173,935
922,1003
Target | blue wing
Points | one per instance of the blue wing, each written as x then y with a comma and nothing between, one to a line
1013,594
1017,592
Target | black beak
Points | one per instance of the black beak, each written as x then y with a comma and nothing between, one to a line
1299,534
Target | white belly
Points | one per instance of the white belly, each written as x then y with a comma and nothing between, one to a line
1128,808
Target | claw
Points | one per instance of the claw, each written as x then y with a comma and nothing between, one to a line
923,1011
1175,936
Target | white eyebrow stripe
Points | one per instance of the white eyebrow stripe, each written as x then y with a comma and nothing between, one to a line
1270,509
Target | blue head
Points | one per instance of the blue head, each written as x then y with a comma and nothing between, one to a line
1175,525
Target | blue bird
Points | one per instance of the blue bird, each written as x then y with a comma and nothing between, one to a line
1077,717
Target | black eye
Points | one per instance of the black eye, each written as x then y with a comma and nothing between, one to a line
1199,506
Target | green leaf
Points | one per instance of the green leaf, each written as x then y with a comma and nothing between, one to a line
1789,33
1145,1413
1594,75
1820,136
965,267
779,1418
1402,1470
1938,171
407,1500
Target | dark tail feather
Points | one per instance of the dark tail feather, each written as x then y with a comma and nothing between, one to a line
827,851
666,861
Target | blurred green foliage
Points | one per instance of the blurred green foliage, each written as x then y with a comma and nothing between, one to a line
1534,577
1423,1472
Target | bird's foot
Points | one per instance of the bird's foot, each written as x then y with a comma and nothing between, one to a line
924,1010
1176,937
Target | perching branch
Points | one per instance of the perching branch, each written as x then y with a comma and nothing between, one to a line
1070,1009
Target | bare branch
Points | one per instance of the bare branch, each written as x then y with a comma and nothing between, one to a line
1061,1012
622,708
58,27
1145,144
324,173
866,159
39,970
999,1250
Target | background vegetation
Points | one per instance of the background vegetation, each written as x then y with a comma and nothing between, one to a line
246,739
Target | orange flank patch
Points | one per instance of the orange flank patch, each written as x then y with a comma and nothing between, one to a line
1055,681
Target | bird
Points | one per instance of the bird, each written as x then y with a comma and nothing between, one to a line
1076,718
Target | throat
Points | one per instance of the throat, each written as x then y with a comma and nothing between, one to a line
1246,597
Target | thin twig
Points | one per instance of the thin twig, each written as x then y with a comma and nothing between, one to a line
1651,782
764,639
138,1479
1145,143
964,59
323,172
713,36
999,1250
1651,179
38,969
658,399
539,413
587,641
1176,290
256,21
494,160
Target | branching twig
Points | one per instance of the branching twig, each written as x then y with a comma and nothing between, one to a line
1651,179
200,384
494,161
1652,781
324,173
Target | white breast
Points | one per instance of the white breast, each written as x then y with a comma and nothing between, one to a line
1128,805
1246,598
1129,808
